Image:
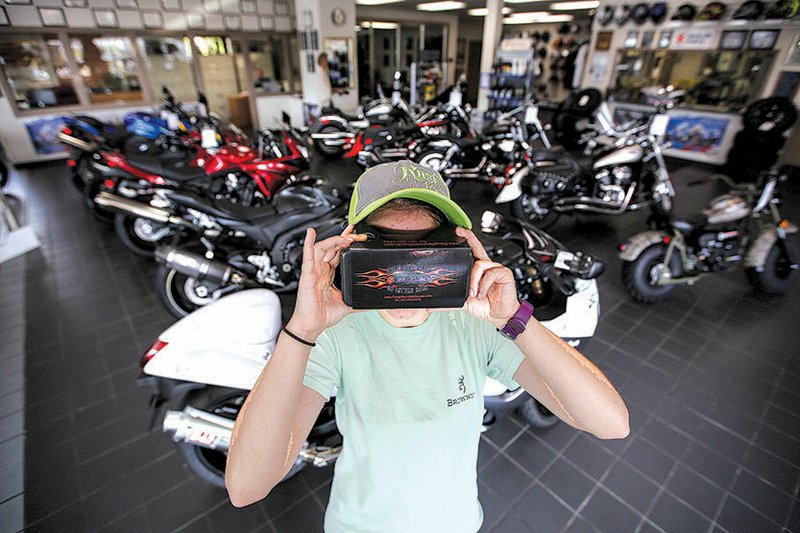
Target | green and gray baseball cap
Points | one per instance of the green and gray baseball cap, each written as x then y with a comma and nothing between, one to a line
403,179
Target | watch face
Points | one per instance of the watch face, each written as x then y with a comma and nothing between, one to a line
338,16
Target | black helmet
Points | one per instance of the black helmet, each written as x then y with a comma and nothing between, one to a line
640,12
750,10
685,12
658,12
622,14
783,9
712,11
605,15
546,36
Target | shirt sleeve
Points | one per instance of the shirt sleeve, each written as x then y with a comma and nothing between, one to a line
504,357
323,370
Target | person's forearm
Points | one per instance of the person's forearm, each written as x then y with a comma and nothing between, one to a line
577,388
262,439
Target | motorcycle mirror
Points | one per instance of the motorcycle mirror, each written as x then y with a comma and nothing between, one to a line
286,118
201,97
490,222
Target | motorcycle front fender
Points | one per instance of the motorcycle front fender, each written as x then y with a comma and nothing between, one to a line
513,190
637,244
756,255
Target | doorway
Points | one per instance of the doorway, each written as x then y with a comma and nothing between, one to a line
217,57
473,71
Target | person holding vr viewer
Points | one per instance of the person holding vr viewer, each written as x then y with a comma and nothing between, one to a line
408,381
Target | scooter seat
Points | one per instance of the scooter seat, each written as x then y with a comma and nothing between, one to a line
167,167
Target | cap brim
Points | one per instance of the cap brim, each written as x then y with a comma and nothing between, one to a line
451,210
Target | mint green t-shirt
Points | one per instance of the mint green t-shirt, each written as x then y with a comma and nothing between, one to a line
409,404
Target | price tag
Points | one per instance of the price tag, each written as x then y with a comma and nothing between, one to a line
659,125
531,114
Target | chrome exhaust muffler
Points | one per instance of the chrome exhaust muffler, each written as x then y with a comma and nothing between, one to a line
198,267
132,207
76,143
199,428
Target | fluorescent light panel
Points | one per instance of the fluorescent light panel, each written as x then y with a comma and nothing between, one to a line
523,1
379,25
574,6
482,11
536,17
447,5
376,2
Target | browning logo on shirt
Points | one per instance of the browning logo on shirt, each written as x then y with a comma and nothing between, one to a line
462,388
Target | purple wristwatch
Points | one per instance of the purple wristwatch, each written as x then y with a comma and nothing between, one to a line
516,325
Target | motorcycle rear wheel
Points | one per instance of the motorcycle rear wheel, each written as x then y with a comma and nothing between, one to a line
209,464
329,151
638,276
777,275
525,210
178,292
132,231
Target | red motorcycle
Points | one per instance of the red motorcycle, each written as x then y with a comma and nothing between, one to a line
135,183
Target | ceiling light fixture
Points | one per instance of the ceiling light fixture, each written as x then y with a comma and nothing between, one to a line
536,17
574,6
482,11
523,1
447,5
367,24
376,2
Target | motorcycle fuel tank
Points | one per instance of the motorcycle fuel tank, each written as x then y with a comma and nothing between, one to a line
621,156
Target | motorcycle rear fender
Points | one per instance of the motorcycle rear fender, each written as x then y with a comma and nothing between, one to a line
225,343
582,314
512,190
756,255
640,242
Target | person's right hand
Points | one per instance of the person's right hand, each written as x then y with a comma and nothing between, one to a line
319,304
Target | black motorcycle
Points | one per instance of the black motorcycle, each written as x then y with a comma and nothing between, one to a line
242,247
743,227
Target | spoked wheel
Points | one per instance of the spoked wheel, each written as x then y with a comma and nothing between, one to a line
776,114
141,235
641,275
530,209
780,269
182,294
210,464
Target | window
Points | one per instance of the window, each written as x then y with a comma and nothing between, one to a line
270,64
168,61
37,71
108,68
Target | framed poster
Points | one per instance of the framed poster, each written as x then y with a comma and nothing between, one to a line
340,62
631,39
603,40
664,38
787,85
43,133
733,39
763,39
647,39
52,16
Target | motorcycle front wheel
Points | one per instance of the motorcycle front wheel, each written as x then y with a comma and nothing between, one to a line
141,235
182,294
528,209
209,464
329,151
640,276
778,274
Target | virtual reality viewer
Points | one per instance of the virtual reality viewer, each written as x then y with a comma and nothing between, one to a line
393,269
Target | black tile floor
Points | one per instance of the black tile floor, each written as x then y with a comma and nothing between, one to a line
710,376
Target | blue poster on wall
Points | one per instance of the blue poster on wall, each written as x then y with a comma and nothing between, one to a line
44,135
694,133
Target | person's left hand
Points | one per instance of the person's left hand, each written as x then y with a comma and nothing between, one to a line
492,291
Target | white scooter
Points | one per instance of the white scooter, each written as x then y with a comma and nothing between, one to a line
211,359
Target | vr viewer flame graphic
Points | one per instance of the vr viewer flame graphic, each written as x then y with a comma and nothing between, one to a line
381,278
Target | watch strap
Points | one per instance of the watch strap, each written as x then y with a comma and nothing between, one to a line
516,325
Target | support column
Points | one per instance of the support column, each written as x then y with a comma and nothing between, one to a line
317,21
492,31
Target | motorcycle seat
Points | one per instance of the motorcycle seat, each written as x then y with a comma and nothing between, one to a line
553,154
224,209
167,167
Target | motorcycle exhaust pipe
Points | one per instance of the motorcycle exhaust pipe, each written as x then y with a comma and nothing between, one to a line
139,209
76,143
200,428
334,139
198,267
